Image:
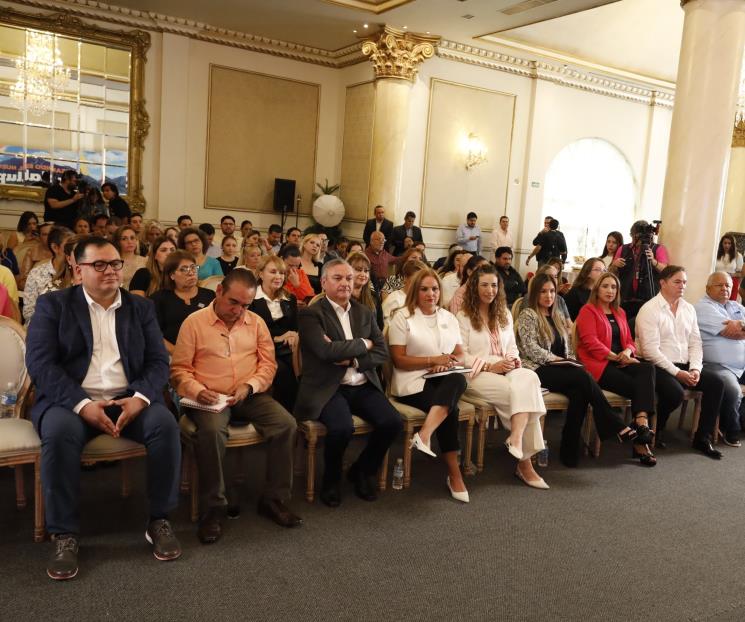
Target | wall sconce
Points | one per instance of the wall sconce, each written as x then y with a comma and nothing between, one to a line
475,151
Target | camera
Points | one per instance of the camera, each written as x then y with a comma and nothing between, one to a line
647,233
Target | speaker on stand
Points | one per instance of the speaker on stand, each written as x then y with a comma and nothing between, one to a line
284,198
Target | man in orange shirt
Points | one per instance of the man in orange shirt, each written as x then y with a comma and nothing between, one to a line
224,349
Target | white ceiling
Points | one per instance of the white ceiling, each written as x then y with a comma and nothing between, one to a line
329,25
641,36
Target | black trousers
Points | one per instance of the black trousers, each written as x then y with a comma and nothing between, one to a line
670,395
441,391
582,391
285,383
368,403
635,382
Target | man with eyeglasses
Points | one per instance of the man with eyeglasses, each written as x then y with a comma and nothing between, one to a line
96,355
226,351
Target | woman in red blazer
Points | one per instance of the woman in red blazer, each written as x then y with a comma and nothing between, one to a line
605,347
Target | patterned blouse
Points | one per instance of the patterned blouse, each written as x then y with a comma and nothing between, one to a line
40,280
534,349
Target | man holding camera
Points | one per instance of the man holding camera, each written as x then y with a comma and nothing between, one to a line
62,200
638,266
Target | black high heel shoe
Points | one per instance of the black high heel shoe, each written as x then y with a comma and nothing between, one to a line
629,436
646,459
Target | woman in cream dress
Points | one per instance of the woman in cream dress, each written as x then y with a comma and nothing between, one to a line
498,377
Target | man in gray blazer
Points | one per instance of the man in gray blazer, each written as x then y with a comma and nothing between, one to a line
342,347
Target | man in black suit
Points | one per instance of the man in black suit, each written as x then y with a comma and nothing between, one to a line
379,223
96,355
342,347
406,230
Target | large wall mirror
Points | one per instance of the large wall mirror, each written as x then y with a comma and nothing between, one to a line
71,97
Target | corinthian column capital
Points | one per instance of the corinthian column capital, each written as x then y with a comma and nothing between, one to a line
397,53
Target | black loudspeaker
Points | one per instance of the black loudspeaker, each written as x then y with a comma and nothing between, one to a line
284,195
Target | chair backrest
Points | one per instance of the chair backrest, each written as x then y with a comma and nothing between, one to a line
13,361
516,309
211,282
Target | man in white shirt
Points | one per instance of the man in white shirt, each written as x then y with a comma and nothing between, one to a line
342,348
96,355
468,236
667,335
501,236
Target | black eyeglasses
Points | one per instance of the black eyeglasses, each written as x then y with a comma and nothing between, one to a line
100,266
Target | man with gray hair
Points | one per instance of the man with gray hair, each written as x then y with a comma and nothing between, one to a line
342,348
721,322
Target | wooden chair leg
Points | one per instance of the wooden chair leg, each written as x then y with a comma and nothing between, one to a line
126,486
682,416
194,480
468,467
310,468
383,473
696,418
481,443
20,487
408,435
38,503
185,480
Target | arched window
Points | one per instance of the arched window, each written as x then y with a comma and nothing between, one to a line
590,189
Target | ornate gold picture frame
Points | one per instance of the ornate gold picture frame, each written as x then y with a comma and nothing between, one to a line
136,42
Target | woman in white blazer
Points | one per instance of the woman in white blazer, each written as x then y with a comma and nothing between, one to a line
423,339
498,377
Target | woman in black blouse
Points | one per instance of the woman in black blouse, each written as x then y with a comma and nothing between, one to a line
278,309
148,280
577,296
180,295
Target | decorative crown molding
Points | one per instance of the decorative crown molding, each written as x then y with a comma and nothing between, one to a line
558,74
398,53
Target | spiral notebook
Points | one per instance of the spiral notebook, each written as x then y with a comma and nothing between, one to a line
221,405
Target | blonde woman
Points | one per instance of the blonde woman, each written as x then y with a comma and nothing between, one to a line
50,275
498,375
150,232
310,259
425,338
251,258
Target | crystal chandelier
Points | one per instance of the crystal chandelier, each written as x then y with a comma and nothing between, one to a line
40,73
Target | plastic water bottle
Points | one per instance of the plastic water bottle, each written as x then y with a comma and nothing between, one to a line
8,400
542,459
398,475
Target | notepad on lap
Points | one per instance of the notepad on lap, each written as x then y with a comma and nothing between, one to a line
453,370
221,404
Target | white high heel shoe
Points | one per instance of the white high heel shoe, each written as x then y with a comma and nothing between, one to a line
458,496
416,441
539,483
513,451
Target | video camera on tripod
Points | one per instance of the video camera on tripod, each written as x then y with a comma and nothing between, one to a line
647,233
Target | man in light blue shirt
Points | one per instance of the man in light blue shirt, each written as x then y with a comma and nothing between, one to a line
468,236
721,322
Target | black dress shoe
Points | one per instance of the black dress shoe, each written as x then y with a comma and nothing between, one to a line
233,511
210,527
705,447
165,544
279,513
364,488
732,439
63,564
331,496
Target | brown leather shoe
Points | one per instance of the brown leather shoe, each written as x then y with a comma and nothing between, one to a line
279,513
63,564
165,544
210,527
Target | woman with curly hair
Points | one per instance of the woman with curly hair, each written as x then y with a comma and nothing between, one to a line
498,376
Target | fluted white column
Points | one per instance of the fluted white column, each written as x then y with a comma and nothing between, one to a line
701,134
733,217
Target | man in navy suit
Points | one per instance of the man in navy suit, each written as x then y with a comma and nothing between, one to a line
400,234
379,223
97,358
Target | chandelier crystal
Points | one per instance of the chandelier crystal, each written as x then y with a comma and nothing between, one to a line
41,73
